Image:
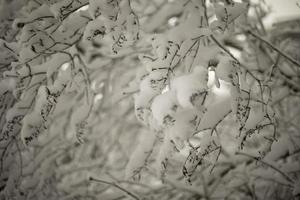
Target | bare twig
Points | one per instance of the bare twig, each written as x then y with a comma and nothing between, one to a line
267,164
222,47
274,48
134,196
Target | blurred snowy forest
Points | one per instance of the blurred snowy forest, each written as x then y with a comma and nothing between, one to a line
147,100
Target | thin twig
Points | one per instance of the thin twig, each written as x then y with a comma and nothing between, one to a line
224,48
234,58
267,164
274,48
134,196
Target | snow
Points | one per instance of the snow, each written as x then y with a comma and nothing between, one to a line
142,104
138,158
65,66
62,8
166,151
53,64
206,54
94,29
172,21
98,97
281,11
290,166
32,123
188,85
7,84
104,8
296,190
26,54
144,98
255,117
225,69
154,81
174,96
163,14
43,10
279,148
186,121
163,107
159,44
218,107
83,8
226,14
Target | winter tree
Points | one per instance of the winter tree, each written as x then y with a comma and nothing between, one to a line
148,99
